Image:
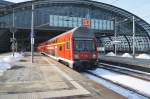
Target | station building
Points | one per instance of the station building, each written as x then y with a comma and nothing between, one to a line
5,3
52,17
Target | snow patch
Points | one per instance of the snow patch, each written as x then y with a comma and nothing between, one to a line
4,66
9,61
127,55
143,56
17,56
122,91
125,80
110,54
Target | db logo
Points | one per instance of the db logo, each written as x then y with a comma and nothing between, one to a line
86,55
86,22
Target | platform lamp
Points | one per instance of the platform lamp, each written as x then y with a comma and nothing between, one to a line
115,26
32,34
133,37
13,30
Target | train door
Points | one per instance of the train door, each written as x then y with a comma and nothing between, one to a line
61,49
63,54
67,47
64,49
56,51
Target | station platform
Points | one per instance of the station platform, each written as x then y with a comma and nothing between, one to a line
48,79
141,64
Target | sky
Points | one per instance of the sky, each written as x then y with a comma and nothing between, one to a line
140,8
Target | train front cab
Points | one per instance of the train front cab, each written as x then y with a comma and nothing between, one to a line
84,49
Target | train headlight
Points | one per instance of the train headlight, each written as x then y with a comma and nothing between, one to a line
76,56
94,56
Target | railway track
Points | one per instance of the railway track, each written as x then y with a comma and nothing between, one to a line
146,96
127,71
127,65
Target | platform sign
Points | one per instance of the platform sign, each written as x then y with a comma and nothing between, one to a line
86,22
12,46
13,40
32,40
32,37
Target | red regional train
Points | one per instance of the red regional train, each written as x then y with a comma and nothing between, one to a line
76,47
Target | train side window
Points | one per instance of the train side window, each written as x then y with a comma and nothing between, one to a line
60,48
68,45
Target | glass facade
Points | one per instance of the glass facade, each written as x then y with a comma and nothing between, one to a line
106,43
141,43
123,45
66,15
66,21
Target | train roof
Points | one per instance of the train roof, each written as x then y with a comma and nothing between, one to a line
83,32
78,32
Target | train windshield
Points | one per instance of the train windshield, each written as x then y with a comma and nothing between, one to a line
84,45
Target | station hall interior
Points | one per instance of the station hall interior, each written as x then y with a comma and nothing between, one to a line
73,49
53,17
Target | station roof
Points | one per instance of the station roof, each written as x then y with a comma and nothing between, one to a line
111,8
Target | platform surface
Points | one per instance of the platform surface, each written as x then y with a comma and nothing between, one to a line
46,78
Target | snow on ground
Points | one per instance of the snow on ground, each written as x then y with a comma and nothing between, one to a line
127,55
143,56
116,88
140,56
110,54
134,83
8,61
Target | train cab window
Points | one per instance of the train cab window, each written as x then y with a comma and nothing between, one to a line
67,45
84,45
